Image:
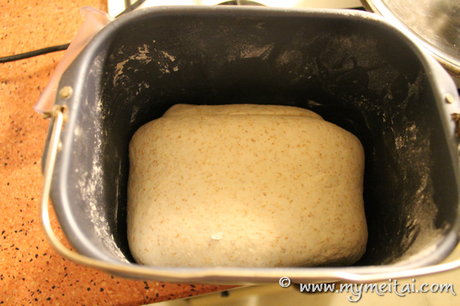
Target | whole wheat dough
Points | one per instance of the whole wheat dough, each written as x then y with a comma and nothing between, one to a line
247,186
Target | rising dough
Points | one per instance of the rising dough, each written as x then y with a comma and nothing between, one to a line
246,186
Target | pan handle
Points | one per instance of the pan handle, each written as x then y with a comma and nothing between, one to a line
95,20
204,275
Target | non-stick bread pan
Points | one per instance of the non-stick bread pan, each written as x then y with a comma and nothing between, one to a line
353,68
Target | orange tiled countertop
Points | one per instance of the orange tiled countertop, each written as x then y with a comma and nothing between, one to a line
31,272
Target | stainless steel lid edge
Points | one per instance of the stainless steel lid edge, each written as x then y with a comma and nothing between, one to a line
446,60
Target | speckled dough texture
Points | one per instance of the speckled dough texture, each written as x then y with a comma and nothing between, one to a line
245,186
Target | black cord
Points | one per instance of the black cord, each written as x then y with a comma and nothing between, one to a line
60,47
33,53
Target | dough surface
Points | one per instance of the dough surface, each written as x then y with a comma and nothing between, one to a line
245,186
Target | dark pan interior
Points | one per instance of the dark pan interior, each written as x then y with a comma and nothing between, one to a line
355,72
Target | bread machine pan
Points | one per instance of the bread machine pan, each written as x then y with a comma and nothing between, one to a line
353,68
